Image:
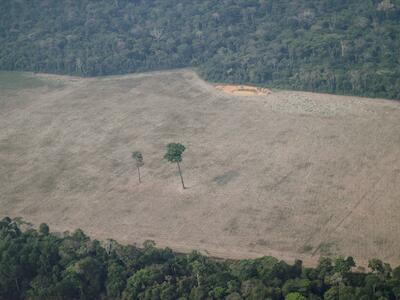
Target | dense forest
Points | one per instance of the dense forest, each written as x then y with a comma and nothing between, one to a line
38,264
337,46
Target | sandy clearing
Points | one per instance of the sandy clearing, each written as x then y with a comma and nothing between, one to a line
243,90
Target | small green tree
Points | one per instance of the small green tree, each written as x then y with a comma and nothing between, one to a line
138,157
174,154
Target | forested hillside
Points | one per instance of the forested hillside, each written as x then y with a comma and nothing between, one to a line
338,46
38,264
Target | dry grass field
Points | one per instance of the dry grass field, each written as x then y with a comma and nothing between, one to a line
289,174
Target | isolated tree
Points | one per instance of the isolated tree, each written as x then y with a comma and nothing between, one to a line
44,229
174,154
138,157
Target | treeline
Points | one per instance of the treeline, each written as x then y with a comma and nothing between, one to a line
337,46
38,264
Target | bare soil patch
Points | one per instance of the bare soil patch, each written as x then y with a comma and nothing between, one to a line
243,90
293,174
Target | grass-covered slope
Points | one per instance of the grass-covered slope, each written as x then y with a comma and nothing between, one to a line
14,81
336,46
37,264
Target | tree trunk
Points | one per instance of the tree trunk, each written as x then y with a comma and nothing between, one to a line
138,170
198,279
17,284
180,174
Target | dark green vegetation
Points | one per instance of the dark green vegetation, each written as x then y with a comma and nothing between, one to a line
174,154
349,47
37,264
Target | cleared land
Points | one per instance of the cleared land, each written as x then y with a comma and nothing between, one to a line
243,90
290,174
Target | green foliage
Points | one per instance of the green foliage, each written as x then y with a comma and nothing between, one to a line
305,44
43,265
341,292
44,229
116,280
295,296
301,286
138,157
174,152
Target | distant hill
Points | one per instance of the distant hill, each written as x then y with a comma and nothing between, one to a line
336,46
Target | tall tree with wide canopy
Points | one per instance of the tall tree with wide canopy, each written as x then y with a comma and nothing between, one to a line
174,154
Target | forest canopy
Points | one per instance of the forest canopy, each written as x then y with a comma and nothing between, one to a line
39,264
336,46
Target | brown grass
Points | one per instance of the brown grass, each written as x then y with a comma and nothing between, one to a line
290,174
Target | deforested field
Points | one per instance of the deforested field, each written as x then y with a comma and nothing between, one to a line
289,174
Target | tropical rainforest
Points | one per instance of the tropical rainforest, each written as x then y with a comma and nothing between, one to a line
335,46
39,264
